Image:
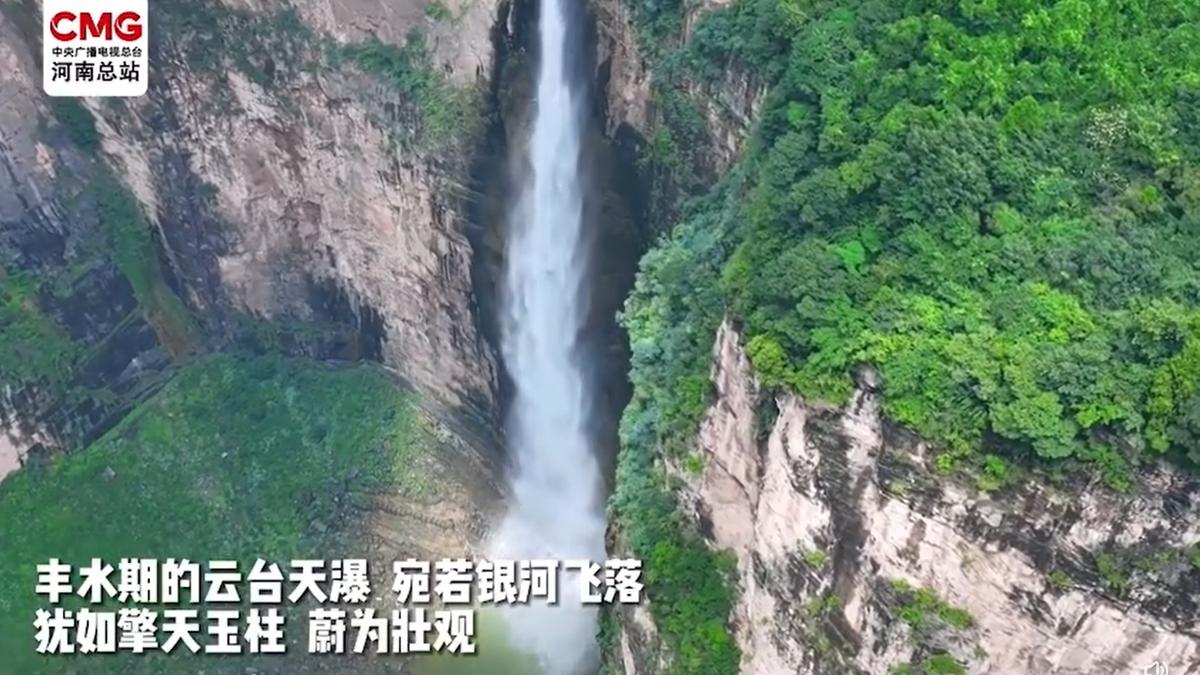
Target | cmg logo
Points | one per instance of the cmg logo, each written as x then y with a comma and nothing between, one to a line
95,47
68,26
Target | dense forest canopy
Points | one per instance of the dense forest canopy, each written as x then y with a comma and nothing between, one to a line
994,203
998,206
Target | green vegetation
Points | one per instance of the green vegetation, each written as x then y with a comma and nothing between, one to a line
78,121
34,347
1059,580
608,632
817,612
1113,572
816,558
924,611
1155,560
991,203
943,664
266,47
687,583
438,112
822,605
921,606
1120,569
995,204
937,664
996,474
39,345
438,11
135,253
1110,464
266,457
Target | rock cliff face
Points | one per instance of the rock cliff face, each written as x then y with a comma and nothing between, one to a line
623,73
49,228
853,556
312,189
286,178
728,106
456,500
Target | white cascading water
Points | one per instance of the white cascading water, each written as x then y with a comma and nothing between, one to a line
557,509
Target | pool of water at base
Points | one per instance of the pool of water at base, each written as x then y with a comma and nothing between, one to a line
495,653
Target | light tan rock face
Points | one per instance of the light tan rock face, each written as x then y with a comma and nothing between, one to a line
316,193
457,30
284,181
627,90
728,106
12,453
312,184
844,482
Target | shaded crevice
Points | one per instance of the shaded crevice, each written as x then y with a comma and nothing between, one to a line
617,226
491,182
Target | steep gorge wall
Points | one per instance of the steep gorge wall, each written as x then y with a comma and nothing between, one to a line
286,179
633,107
312,187
853,554
831,511
298,179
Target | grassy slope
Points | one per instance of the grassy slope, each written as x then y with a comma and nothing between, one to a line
236,458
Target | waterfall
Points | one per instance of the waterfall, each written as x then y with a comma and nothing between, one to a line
557,509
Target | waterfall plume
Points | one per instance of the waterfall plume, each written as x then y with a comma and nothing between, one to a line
557,496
